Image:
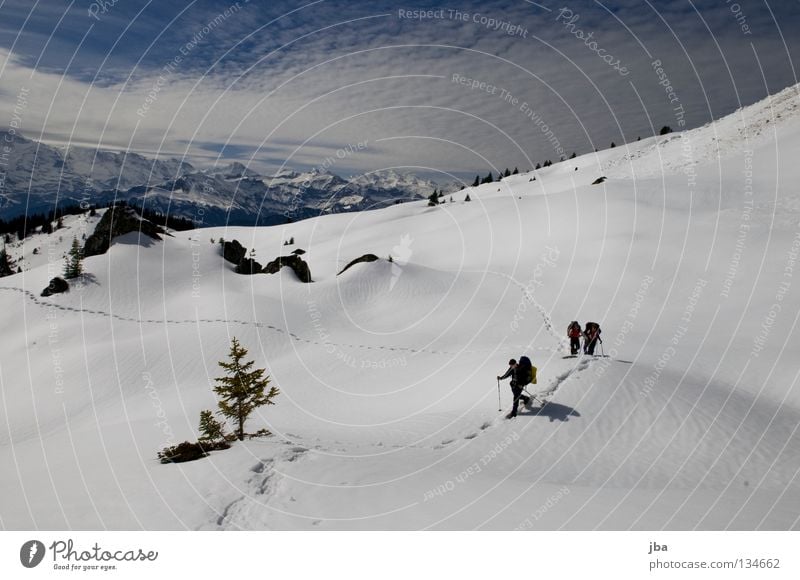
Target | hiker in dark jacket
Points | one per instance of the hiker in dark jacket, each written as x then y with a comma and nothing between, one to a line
516,387
574,334
591,334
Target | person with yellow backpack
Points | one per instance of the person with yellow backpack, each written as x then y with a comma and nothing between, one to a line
522,373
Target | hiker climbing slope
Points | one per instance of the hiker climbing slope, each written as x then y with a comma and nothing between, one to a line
574,334
591,336
521,374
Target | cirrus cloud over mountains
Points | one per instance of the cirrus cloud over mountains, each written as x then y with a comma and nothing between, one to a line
288,84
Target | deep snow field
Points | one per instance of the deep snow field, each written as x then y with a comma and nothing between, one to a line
388,414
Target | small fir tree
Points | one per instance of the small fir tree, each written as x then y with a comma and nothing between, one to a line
74,261
210,428
243,389
6,264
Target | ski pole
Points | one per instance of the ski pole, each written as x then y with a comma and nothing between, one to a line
499,403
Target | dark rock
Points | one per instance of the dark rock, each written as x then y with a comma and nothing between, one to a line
248,266
294,262
57,286
599,180
298,252
188,451
233,251
364,258
117,221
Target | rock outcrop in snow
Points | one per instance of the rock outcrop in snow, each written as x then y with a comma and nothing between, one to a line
118,221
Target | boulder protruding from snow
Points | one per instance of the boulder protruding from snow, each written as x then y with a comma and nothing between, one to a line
364,258
56,286
599,180
233,251
248,266
117,221
294,262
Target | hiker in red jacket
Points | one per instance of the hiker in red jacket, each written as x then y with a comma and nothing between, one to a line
574,334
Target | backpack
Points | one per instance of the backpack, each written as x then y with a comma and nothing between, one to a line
592,329
574,329
526,372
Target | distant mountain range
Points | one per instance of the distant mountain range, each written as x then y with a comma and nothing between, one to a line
35,176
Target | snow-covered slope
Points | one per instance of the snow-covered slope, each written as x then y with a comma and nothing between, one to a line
388,414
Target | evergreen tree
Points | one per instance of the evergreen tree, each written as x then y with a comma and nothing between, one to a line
507,173
92,212
74,261
433,199
573,156
612,145
515,172
467,198
489,178
6,265
210,428
665,130
538,166
59,223
477,181
241,391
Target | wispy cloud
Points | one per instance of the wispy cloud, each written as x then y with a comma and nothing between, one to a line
291,82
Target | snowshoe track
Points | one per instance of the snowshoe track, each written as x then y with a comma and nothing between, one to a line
261,487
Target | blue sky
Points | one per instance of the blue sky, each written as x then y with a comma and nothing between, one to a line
291,83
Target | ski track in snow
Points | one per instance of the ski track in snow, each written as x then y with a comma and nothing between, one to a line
35,299
528,295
